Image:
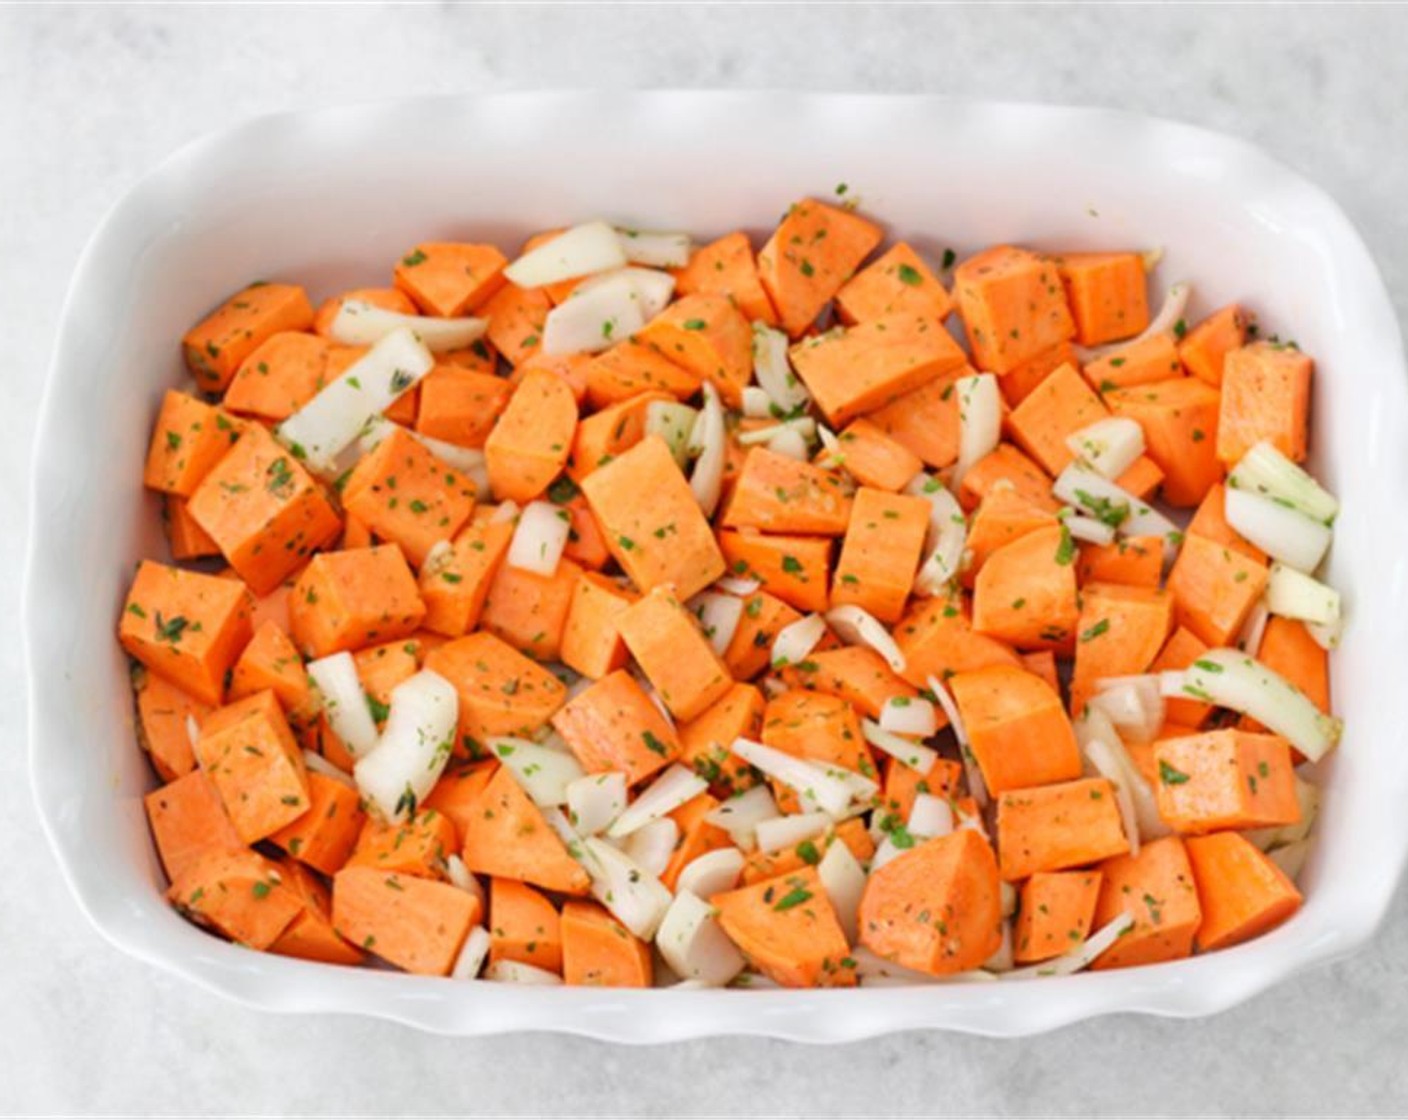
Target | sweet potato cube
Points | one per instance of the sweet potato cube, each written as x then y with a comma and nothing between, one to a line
938,640
352,598
523,926
164,716
610,432
1120,632
280,377
216,346
1265,396
1131,561
516,320
1140,363
186,539
796,570
591,644
937,907
857,674
1225,779
1055,914
500,691
707,336
186,627
613,725
189,438
271,661
455,589
450,278
389,299
264,510
810,255
779,494
457,791
666,641
1026,592
598,951
1157,890
1210,522
326,834
727,267
1058,407
417,846
1107,293
788,930
418,925
532,438
1204,349
1052,828
256,766
240,894
311,935
1242,894
1013,306
705,740
819,728
925,420
881,552
873,364
1180,422
630,368
187,820
1017,728
528,610
460,406
898,282
506,836
652,523
1214,588
1006,465
1288,648
873,457
1003,515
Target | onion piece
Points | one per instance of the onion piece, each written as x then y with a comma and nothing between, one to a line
594,801
1096,495
1282,533
653,288
1267,471
904,715
874,971
709,435
469,461
1233,680
694,944
719,615
676,785
1293,594
803,426
1308,797
946,538
358,323
796,640
334,419
579,251
1109,446
505,511
741,814
504,971
1133,704
791,830
544,773
414,747
1105,762
976,786
1254,629
1081,957
1327,635
736,586
1174,308
1002,959
652,844
656,248
1084,528
914,755
1291,858
790,443
712,873
460,876
636,897
931,816
843,879
344,702
539,538
857,626
829,788
979,422
470,959
757,405
672,422
587,322
773,369
317,764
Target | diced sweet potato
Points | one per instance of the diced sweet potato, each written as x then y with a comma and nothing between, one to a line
216,346
897,282
1055,827
1055,914
614,726
1107,293
418,925
1017,728
506,836
500,691
812,253
881,552
352,598
1156,889
788,930
1242,894
448,278
1265,396
1225,779
1013,306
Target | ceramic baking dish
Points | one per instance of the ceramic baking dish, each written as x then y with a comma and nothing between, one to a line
329,197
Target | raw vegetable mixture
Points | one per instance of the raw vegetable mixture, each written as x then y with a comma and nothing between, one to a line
642,612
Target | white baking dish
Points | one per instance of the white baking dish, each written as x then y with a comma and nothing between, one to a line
330,198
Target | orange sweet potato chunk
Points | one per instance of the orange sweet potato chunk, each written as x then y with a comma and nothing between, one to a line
189,438
449,278
1013,306
216,346
812,253
353,598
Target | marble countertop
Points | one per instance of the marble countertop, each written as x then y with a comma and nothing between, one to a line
91,96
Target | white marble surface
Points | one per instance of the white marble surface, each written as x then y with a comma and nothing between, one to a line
90,97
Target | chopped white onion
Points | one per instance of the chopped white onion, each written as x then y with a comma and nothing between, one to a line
773,369
857,626
946,538
1109,446
1327,635
1308,797
979,421
1150,258
1084,528
710,437
796,640
1293,594
1133,704
914,755
694,944
719,616
1233,680
829,788
1282,533
461,876
656,248
931,816
1002,958
636,897
587,322
757,405
672,422
652,844
319,765
874,971
653,288
976,786
790,443
544,773
1081,957
335,418
1254,629
359,323
712,873
1267,471
789,831
539,538
1174,308
1093,725
505,511
1115,506
804,427
344,702
472,954
1291,858
736,586
579,251
1007,899
1106,763
505,971
843,879
905,715
741,814
414,747
594,801
675,785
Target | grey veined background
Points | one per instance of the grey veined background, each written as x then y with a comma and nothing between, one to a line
91,96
